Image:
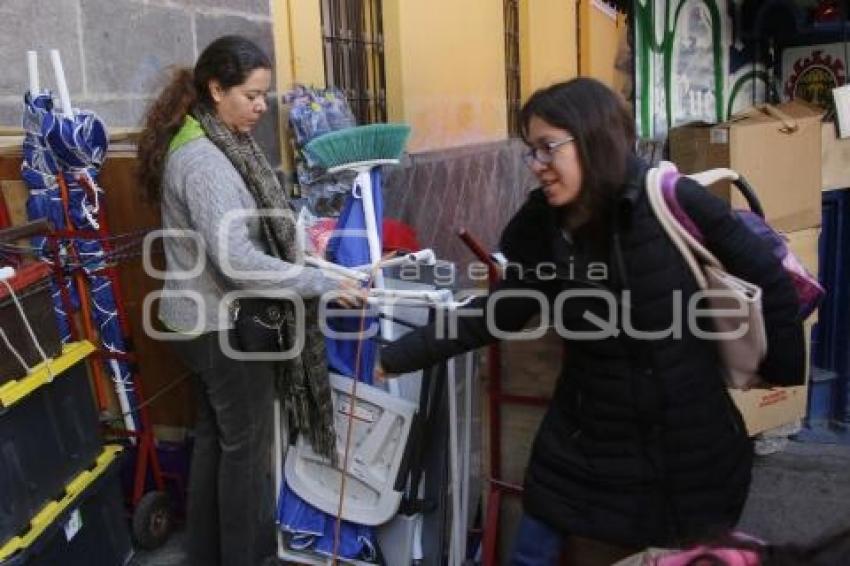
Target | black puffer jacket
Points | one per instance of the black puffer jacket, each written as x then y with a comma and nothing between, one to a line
641,444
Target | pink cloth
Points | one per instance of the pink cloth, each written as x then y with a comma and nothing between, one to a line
729,556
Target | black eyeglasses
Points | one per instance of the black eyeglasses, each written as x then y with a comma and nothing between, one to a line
544,155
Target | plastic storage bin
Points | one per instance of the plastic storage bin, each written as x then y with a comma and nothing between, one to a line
86,527
31,285
49,433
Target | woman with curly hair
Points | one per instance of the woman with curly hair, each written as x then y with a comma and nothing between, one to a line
230,229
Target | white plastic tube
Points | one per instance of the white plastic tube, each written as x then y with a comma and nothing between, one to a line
388,301
32,71
335,269
467,441
64,95
434,297
385,303
364,183
424,257
416,551
123,400
457,539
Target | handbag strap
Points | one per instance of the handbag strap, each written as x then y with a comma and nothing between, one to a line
705,178
695,254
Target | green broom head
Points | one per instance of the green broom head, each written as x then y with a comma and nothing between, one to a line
359,145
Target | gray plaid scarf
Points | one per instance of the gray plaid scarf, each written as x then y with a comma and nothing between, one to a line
303,383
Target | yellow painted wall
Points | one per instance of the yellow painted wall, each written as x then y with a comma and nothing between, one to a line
601,29
444,59
445,70
548,43
297,28
306,33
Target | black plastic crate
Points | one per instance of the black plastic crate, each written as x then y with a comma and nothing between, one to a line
48,435
88,527
32,287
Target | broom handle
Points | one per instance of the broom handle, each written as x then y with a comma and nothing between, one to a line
364,181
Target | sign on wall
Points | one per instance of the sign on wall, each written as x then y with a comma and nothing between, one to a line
690,65
811,72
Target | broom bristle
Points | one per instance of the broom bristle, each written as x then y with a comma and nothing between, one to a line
360,143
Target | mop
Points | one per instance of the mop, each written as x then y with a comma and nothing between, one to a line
363,150
312,528
347,247
383,144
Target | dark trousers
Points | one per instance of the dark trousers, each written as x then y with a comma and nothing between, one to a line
230,517
536,544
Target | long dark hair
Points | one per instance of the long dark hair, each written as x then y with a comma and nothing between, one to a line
604,133
228,60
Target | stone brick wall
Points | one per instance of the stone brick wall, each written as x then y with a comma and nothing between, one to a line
114,51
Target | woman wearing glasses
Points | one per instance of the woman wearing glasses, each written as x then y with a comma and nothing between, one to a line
641,444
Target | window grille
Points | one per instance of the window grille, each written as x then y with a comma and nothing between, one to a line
512,71
353,38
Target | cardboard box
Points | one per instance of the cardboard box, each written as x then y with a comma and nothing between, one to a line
804,244
766,409
835,159
784,167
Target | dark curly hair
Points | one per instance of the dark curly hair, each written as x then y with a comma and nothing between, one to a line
228,60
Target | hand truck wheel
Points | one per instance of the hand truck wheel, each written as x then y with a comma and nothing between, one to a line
152,520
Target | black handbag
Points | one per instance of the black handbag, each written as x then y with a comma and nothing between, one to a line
259,324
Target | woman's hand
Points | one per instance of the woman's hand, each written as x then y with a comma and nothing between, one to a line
380,374
350,294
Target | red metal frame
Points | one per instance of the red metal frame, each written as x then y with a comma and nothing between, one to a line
5,217
147,457
495,399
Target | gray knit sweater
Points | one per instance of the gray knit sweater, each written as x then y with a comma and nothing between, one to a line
200,187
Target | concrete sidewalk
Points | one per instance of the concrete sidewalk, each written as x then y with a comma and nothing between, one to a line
800,493
797,495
